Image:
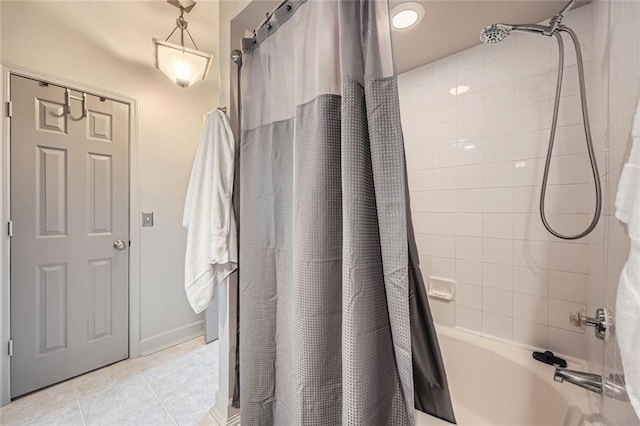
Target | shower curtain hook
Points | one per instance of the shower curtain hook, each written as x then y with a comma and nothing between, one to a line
289,7
268,17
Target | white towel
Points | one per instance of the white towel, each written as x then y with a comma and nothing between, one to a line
628,298
208,213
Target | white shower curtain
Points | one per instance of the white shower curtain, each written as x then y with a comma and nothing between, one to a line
326,323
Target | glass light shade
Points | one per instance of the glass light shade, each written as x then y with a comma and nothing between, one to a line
182,65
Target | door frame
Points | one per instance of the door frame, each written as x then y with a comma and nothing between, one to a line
6,71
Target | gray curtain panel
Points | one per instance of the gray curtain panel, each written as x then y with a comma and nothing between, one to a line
329,309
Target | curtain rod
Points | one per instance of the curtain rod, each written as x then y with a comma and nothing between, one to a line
270,14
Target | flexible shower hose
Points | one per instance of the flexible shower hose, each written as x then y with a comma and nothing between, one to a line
587,132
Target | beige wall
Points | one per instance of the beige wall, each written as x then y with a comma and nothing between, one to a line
108,45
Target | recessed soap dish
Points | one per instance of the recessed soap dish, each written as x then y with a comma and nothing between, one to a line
442,288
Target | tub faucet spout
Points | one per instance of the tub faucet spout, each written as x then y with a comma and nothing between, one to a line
588,381
612,387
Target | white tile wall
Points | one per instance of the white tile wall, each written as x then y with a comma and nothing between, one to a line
475,165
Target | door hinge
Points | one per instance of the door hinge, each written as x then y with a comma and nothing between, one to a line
10,348
9,109
10,228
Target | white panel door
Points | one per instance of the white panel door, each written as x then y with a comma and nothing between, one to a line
70,209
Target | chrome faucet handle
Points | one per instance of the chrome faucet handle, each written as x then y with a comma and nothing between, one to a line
600,322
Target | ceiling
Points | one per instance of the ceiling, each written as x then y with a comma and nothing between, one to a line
451,26
448,27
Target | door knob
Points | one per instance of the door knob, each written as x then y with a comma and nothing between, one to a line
120,245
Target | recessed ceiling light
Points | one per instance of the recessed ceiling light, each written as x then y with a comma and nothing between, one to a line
406,15
459,90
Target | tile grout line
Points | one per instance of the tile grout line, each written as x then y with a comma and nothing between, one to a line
159,400
205,368
75,393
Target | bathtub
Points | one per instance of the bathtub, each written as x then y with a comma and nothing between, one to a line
498,383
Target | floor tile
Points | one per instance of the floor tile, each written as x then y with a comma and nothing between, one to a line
170,387
68,416
38,404
190,402
174,373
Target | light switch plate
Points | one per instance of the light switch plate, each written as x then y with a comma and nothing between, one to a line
147,219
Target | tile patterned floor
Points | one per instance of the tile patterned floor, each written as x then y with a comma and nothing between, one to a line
175,386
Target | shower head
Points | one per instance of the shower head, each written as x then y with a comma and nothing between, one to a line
495,33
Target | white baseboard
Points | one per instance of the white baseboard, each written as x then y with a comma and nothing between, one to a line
171,338
225,419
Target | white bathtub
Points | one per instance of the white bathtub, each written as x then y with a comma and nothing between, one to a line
496,383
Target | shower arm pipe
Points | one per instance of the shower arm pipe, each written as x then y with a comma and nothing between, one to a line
587,131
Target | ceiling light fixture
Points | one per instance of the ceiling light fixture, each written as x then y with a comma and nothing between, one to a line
406,15
182,65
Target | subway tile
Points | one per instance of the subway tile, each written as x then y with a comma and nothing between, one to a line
498,149
497,174
569,257
469,248
442,246
533,61
499,72
469,224
441,224
444,178
499,51
532,254
470,58
532,281
530,333
496,301
469,271
532,117
526,199
498,123
444,156
468,176
469,104
443,312
528,172
497,200
469,296
442,134
497,225
469,129
497,98
444,201
497,325
565,342
467,318
530,308
469,153
570,169
473,78
421,201
469,200
532,144
420,180
444,111
559,314
497,251
527,226
568,286
497,276
443,268
533,89
528,41
422,223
